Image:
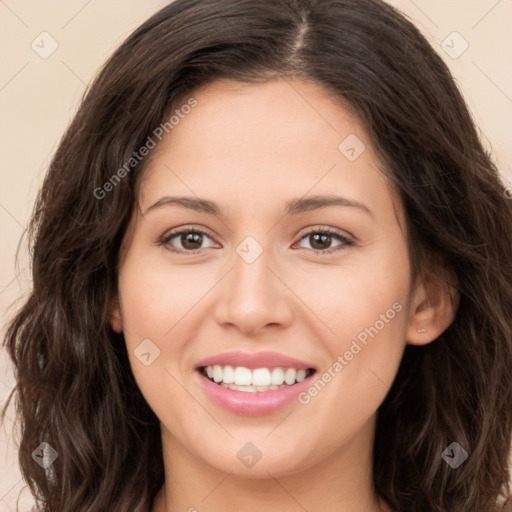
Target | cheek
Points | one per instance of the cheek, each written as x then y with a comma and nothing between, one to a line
150,306
156,295
159,303
363,312
353,296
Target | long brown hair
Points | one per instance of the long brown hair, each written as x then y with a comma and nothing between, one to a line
75,389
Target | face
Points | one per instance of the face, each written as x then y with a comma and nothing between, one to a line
297,261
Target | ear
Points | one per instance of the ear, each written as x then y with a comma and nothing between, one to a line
433,308
115,317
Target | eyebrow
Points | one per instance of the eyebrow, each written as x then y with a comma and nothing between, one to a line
292,207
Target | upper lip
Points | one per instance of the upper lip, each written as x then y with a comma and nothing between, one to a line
254,360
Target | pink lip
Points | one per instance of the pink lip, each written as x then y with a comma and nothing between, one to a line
254,360
251,404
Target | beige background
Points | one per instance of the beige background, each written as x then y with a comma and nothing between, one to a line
38,97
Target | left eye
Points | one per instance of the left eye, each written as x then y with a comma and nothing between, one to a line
191,240
321,238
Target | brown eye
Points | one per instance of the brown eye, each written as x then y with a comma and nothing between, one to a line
185,240
191,241
321,240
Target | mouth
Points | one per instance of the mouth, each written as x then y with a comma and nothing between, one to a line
258,380
253,383
253,392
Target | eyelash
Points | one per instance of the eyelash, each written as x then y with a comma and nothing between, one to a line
321,231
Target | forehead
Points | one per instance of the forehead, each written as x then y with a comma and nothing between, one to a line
264,143
288,117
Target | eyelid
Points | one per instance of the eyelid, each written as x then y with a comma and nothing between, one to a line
316,228
187,227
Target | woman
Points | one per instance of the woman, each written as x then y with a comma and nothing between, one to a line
271,265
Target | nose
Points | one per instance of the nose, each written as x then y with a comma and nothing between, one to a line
254,296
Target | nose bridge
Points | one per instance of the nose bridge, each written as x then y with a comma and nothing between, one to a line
251,279
252,296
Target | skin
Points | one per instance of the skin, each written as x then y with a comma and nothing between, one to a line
252,148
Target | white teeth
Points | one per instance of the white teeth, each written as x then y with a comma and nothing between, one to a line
277,376
259,379
229,375
251,389
217,373
301,375
243,376
289,376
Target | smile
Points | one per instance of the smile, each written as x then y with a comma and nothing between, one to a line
244,379
253,383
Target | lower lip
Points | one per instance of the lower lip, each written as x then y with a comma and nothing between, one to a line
252,403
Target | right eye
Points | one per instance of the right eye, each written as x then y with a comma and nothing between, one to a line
189,240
